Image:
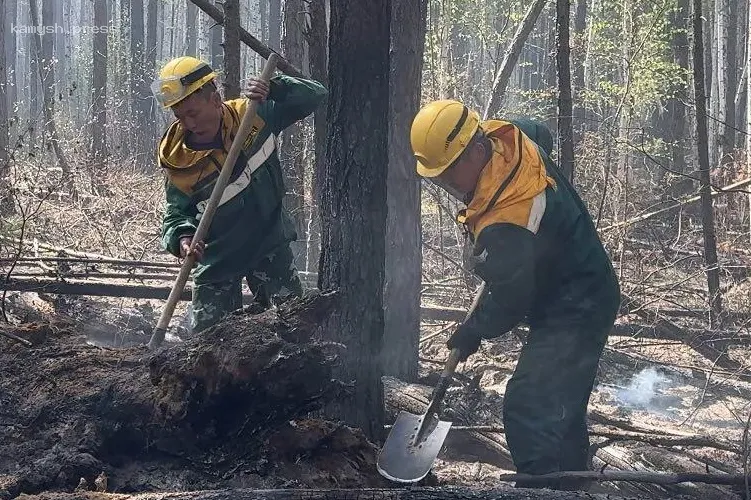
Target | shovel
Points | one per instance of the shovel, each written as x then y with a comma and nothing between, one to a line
415,440
160,331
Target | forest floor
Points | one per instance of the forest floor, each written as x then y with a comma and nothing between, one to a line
653,386
672,394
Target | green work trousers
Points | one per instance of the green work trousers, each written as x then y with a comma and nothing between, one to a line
545,407
274,276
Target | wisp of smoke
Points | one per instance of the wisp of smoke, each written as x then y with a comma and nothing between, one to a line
642,388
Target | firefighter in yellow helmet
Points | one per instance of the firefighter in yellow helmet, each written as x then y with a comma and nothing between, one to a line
251,231
538,252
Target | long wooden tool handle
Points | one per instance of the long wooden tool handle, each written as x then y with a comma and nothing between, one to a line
216,194
452,361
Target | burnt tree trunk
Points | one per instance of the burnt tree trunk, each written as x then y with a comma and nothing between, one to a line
565,104
316,34
707,211
293,143
401,297
231,79
353,200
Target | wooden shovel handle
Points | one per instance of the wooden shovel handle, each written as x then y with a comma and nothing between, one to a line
216,194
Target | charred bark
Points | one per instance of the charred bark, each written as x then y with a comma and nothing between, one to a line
353,201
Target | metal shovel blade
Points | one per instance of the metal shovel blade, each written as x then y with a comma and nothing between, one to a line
402,459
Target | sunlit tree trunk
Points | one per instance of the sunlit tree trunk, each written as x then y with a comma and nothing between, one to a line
403,235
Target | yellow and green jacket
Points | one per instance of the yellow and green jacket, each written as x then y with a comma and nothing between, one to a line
535,244
250,220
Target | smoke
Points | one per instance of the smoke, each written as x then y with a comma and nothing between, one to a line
643,389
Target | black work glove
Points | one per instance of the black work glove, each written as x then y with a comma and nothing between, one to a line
466,339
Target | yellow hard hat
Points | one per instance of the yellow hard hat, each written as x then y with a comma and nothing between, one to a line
179,78
440,132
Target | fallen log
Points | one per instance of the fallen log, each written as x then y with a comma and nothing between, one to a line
613,436
431,493
671,331
691,199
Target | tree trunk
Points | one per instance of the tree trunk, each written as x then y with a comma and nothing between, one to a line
317,36
275,23
353,201
549,106
61,71
401,297
707,211
231,80
47,83
578,58
263,6
191,17
293,139
748,108
137,38
122,78
4,130
677,104
11,49
565,105
48,50
216,41
99,85
724,70
149,74
510,57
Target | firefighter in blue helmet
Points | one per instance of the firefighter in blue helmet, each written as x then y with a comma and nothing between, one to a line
250,233
537,250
